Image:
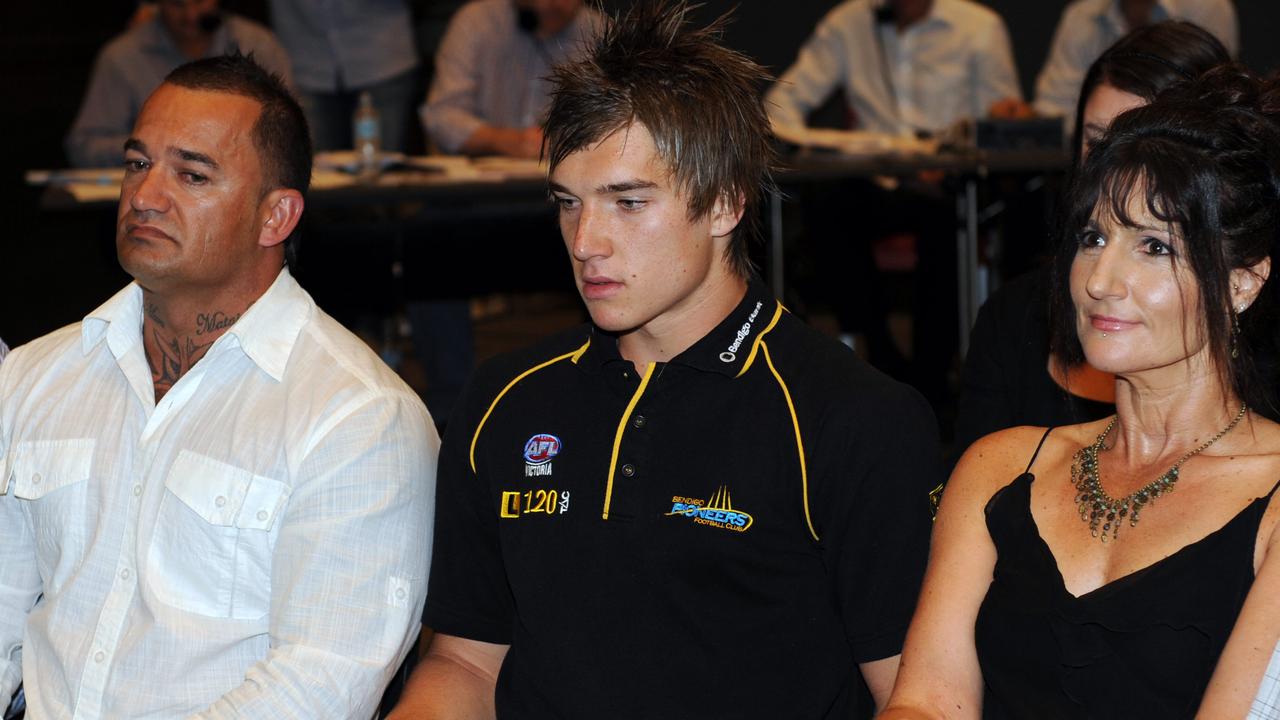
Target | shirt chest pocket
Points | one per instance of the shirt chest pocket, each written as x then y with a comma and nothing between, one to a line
215,532
50,479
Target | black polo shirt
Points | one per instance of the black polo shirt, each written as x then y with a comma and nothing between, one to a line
723,535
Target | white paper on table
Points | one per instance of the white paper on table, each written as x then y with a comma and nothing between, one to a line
92,192
857,142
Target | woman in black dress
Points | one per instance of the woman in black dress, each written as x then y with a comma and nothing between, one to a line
1130,567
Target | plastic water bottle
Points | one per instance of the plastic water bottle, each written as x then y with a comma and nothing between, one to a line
367,132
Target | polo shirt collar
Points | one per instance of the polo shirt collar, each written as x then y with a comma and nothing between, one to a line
266,333
726,350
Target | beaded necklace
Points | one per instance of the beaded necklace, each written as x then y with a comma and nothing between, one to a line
1099,508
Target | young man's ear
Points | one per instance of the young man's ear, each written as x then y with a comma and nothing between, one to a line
727,213
282,210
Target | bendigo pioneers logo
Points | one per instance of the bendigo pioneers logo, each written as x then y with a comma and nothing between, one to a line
718,512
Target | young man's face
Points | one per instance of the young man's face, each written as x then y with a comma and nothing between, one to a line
639,261
192,201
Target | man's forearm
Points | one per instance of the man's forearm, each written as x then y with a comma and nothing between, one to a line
508,142
442,688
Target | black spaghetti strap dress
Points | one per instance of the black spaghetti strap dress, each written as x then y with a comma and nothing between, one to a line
1141,646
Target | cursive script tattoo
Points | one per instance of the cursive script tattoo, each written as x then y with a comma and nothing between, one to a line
212,322
171,359
153,312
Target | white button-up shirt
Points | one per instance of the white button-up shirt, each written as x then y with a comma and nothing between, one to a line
1089,27
254,545
952,65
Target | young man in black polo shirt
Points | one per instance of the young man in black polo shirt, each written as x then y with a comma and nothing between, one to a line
693,506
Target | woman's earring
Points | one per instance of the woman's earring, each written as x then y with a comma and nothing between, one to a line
1235,330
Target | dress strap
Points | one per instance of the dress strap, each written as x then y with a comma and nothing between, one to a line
1044,437
1273,489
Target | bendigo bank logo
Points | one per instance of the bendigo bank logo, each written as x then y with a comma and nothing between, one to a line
718,512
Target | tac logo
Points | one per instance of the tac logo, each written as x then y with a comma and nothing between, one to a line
718,512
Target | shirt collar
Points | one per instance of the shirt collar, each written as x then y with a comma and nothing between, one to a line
1109,12
943,12
270,327
728,349
158,38
266,333
118,321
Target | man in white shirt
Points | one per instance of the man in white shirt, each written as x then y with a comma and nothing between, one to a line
906,66
214,501
1088,27
490,87
132,65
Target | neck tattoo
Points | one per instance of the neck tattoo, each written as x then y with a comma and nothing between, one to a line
1098,508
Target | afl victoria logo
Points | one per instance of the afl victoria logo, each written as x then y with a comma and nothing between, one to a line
541,448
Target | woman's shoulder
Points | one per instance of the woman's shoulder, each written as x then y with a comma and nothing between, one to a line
996,459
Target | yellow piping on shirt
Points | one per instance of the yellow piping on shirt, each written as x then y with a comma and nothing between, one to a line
795,423
617,437
777,313
573,356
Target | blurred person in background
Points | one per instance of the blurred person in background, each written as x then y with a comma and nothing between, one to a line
340,48
1088,27
907,68
490,87
133,64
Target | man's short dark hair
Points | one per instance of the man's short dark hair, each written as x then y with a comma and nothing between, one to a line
699,100
280,135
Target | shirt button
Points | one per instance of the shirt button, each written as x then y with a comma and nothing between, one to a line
99,656
400,593
628,470
639,422
35,479
124,574
137,490
219,501
262,516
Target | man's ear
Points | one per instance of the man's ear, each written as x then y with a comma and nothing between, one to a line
281,210
727,213
1246,283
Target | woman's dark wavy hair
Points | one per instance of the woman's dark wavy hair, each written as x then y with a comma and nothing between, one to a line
1149,60
1205,157
699,100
